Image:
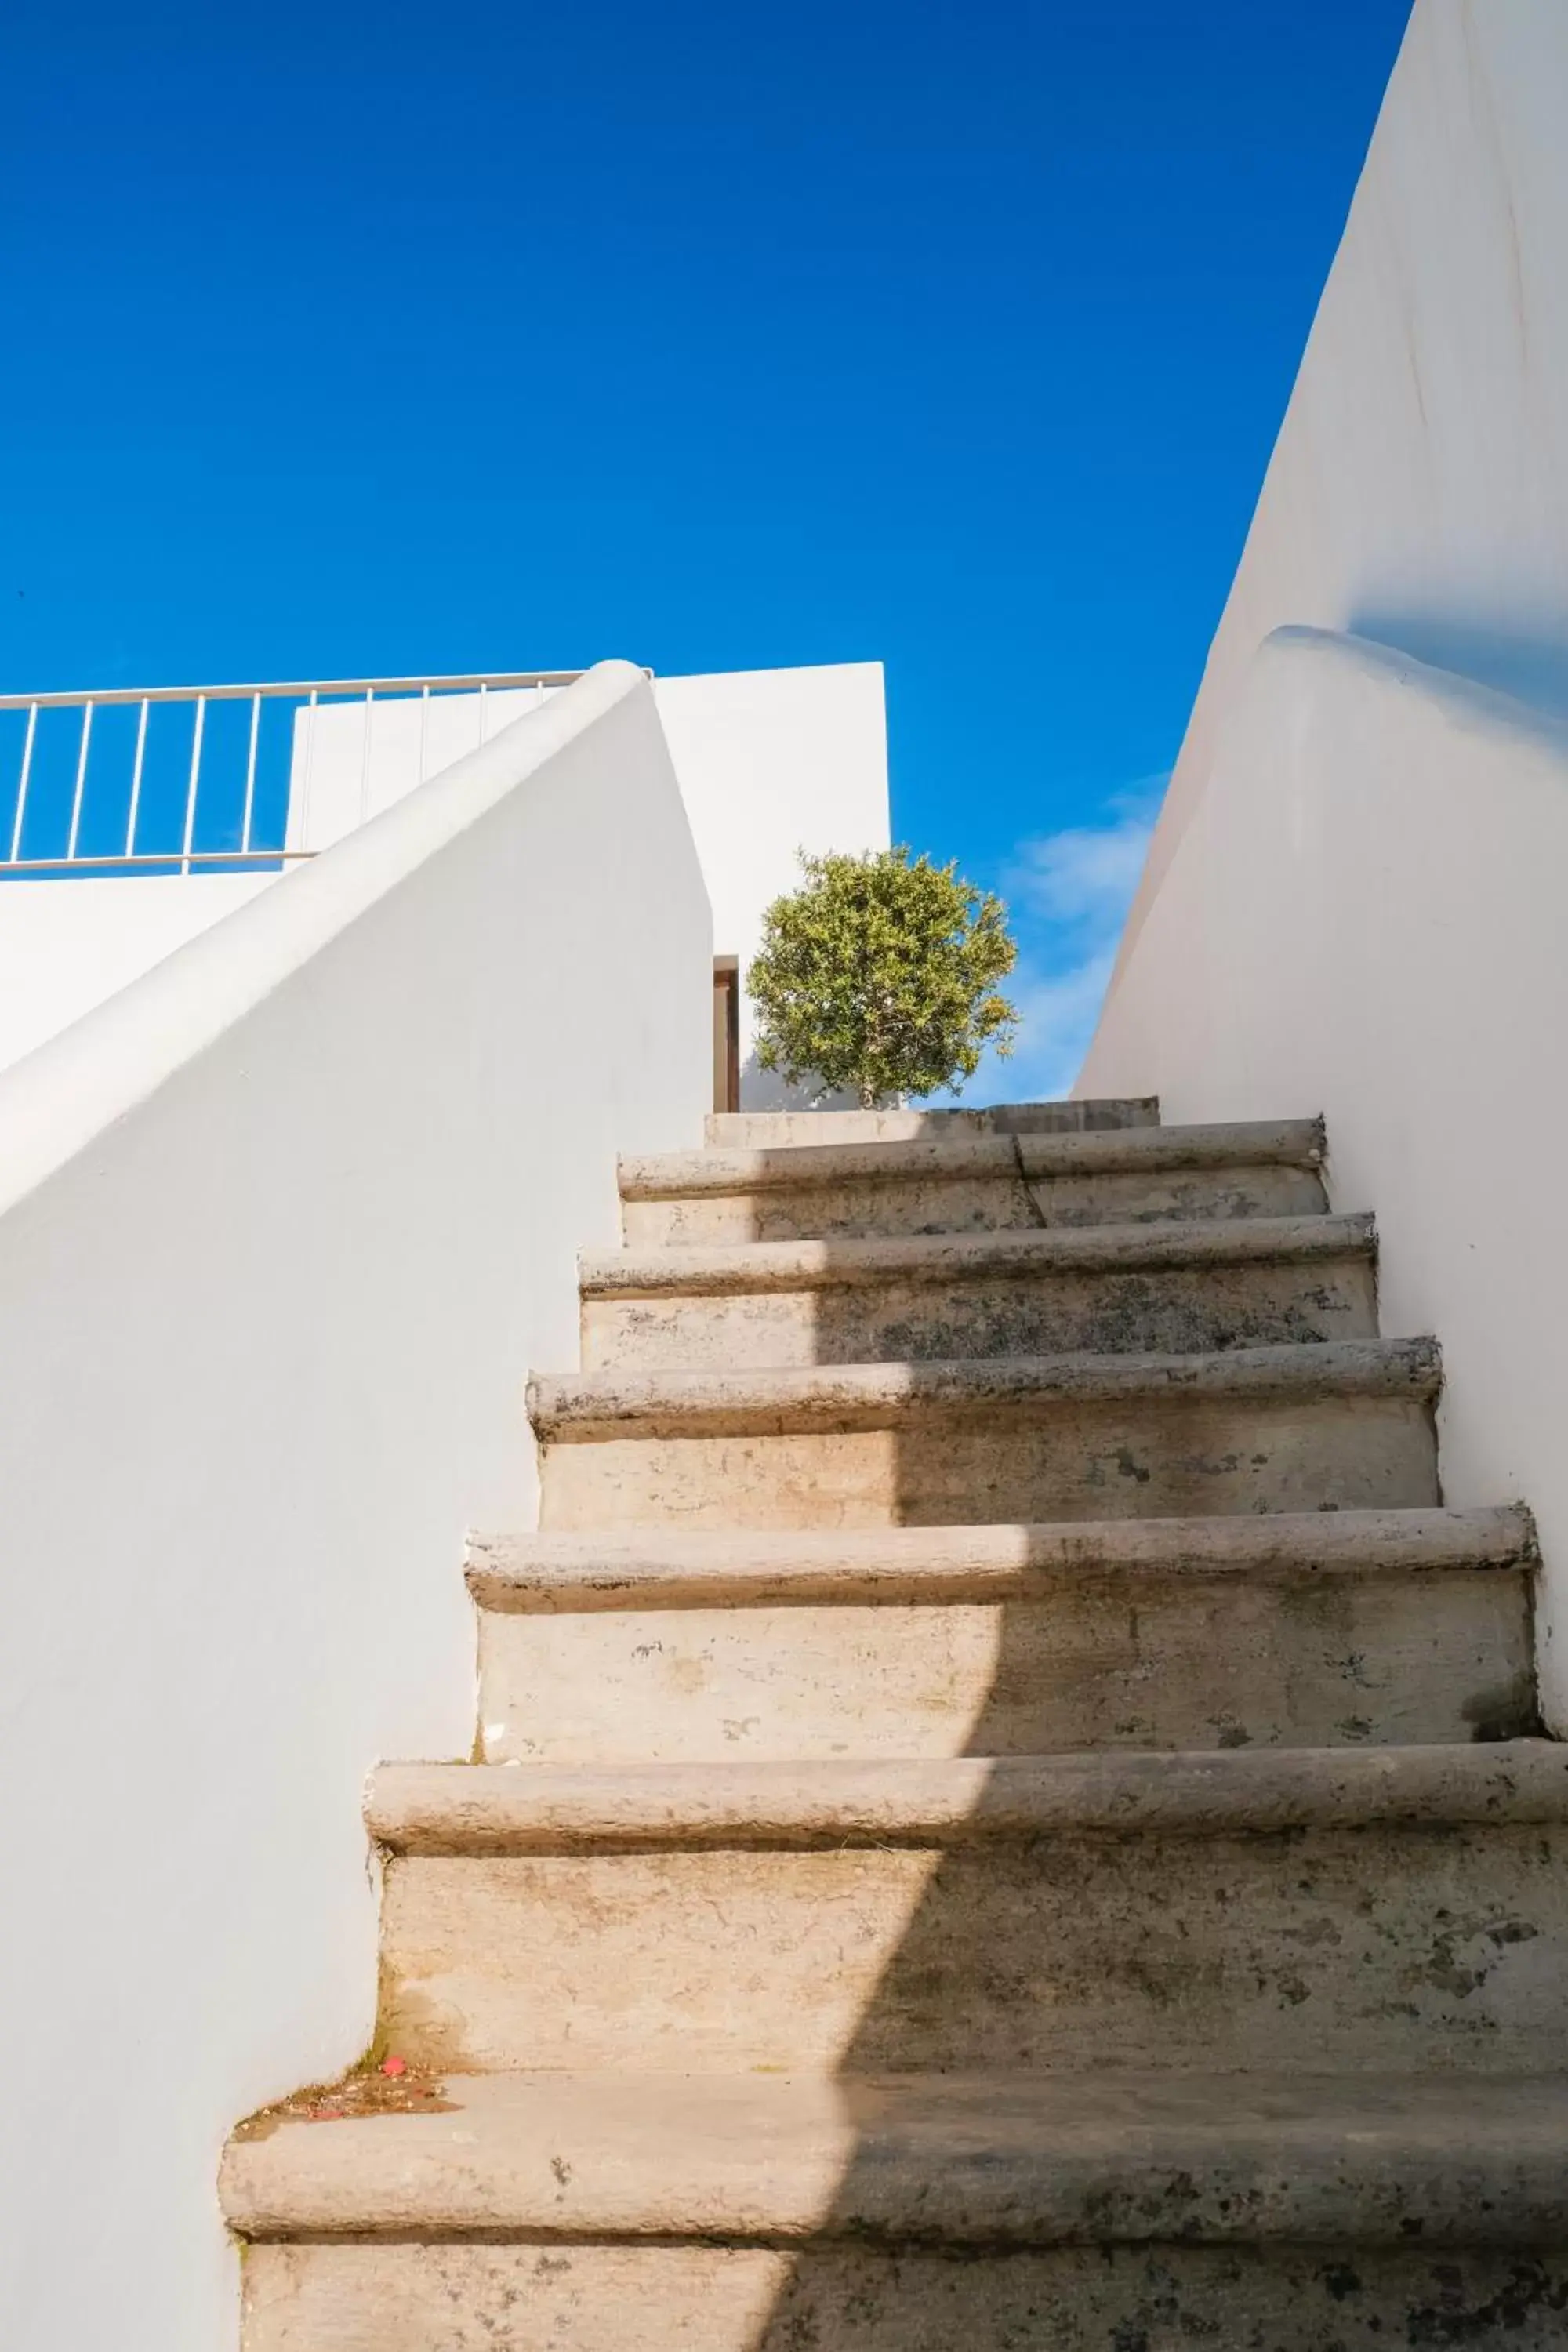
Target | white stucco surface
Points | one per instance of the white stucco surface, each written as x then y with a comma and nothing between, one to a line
67,945
282,1226
1418,493
1363,918
336,781
770,761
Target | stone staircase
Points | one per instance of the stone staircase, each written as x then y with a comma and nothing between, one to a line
1008,1814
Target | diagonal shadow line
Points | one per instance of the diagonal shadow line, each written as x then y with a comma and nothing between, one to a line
991,1973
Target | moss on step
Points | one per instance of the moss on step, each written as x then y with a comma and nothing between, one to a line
363,2090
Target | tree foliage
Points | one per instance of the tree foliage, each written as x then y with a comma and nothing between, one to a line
879,976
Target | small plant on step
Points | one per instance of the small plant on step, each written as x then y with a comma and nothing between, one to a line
879,978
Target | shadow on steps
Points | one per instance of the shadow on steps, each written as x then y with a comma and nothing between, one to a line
1301,1949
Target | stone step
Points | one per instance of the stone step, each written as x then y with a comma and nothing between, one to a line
973,1801
1344,1423
1168,1287
1403,1909
973,1182
667,1569
581,2213
1312,1630
973,2160
750,1129
843,2294
587,2199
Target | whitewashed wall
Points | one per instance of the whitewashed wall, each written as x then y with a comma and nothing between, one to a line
1364,917
282,1226
1418,494
770,761
65,946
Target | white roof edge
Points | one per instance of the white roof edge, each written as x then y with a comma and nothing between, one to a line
768,669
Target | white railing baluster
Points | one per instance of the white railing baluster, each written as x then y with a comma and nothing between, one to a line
251,775
136,779
424,726
310,762
483,712
80,779
364,757
22,783
191,787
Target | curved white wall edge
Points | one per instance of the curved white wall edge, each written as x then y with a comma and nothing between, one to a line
57,1097
1417,494
1364,917
285,1227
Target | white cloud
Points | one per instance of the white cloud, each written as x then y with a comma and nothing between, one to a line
1068,893
1082,876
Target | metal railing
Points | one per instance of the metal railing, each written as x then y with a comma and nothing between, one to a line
150,815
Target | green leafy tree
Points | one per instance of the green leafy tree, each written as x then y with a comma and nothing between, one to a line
879,976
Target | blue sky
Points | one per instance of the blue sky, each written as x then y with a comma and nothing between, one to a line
352,340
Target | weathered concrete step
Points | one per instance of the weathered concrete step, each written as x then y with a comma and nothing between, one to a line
644,1569
592,2214
980,2161
974,1801
843,2294
1345,1424
1259,1282
1310,1631
973,1182
754,1130
1404,1911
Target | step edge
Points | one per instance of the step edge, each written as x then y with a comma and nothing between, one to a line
1318,2171
1113,1112
543,1573
755,1268
720,1171
567,1408
453,1811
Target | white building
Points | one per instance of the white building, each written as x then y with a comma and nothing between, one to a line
769,762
